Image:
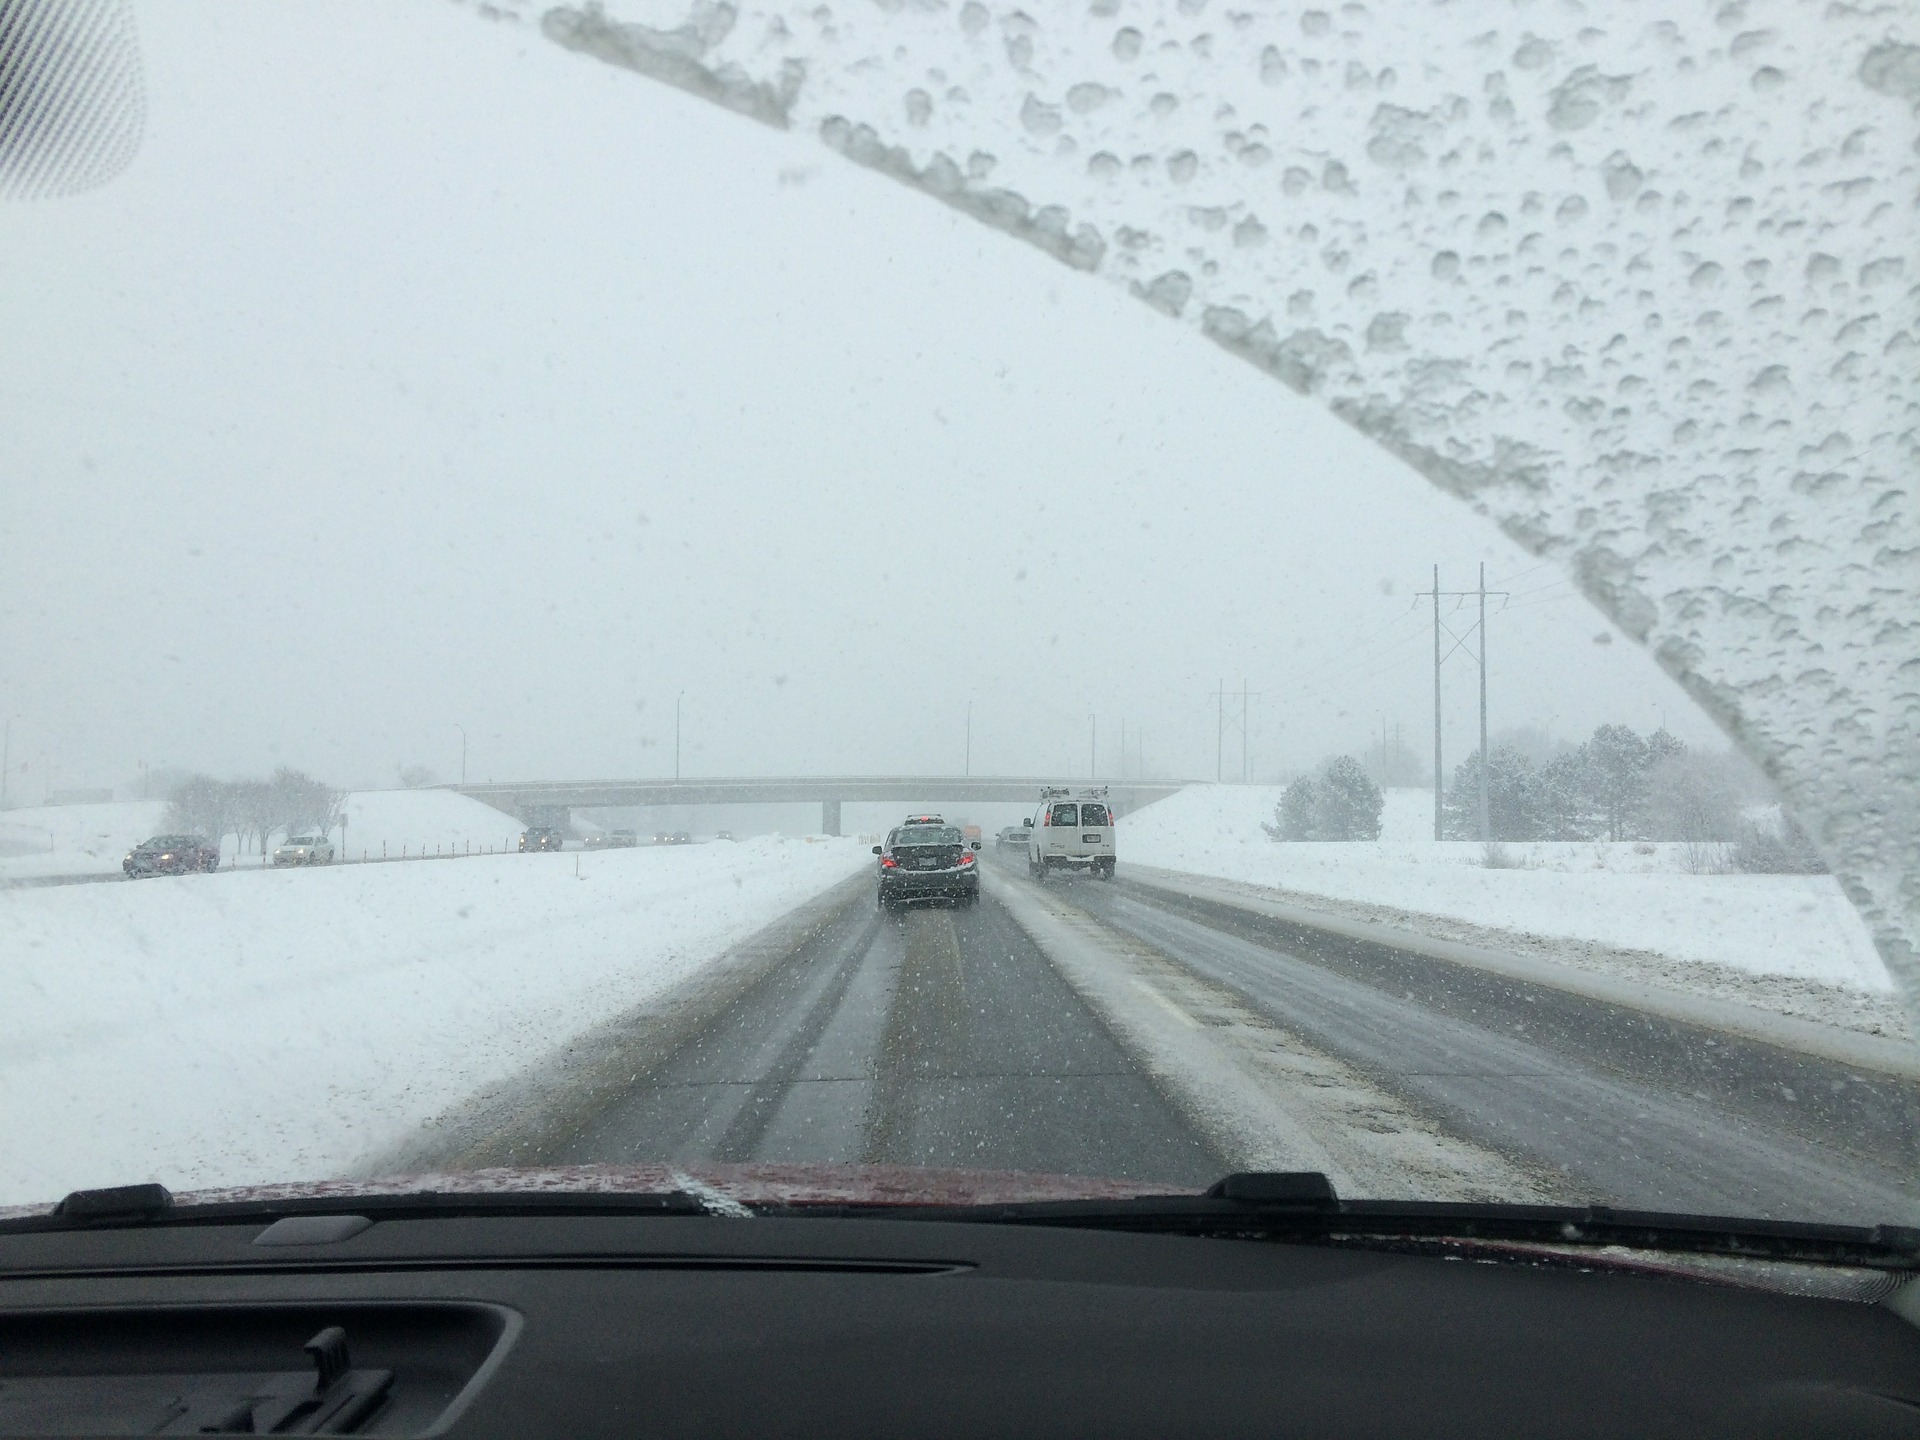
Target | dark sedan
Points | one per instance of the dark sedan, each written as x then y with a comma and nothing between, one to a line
171,855
928,862
541,837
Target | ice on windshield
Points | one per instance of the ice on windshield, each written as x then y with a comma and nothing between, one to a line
1636,287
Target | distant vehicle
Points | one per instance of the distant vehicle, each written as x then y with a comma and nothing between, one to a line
541,837
611,840
723,835
661,837
923,820
972,832
171,855
304,850
1071,830
681,837
927,862
1013,837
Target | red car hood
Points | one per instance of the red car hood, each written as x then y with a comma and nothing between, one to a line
774,1184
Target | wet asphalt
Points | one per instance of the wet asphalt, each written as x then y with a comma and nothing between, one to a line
945,1037
938,1037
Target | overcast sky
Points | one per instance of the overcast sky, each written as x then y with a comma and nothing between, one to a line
420,374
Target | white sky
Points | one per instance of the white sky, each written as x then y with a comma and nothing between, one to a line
420,373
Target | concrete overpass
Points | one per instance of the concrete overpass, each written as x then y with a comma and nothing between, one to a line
549,802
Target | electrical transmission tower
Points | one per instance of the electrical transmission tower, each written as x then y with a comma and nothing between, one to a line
1231,712
1478,633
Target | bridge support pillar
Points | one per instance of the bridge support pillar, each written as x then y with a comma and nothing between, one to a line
830,817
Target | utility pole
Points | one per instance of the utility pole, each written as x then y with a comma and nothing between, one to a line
1437,772
676,733
1245,726
969,761
1485,834
1123,749
1093,747
463,753
1480,626
1219,731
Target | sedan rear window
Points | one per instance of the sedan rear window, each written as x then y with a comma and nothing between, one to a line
927,835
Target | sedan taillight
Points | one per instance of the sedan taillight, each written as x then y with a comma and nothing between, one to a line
887,862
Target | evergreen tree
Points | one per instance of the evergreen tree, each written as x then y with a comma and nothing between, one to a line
1617,761
1350,803
1341,802
1299,812
1513,805
1563,798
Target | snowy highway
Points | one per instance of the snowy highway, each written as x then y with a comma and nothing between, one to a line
1126,1031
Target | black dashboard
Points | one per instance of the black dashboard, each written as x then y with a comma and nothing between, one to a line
697,1326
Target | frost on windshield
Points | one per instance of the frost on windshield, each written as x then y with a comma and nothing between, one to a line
1638,286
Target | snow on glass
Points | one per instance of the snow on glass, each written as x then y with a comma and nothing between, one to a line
1637,283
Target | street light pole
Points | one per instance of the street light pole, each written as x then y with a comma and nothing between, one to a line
969,760
463,750
1093,747
676,733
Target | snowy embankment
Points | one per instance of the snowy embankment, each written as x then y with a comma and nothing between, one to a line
421,822
263,1025
1790,942
74,839
92,839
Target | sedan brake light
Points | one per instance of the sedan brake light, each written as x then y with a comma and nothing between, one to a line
966,857
887,862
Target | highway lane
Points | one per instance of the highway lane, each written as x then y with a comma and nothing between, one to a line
938,1037
1629,1110
951,1038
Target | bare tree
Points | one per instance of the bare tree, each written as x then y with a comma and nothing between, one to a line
201,805
303,803
1694,796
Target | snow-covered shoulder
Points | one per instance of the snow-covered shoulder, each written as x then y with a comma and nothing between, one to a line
153,1022
1579,900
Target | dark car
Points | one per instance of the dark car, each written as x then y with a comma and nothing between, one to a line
927,862
541,837
171,855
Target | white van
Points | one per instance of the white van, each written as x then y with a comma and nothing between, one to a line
1071,830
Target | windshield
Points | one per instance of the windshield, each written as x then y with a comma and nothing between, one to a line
1441,476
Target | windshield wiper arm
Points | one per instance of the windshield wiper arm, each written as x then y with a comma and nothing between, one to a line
1303,1205
134,1206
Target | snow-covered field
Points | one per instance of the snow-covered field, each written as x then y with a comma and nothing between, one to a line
256,1025
1625,897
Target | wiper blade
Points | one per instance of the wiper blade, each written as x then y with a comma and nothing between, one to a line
1303,1206
135,1206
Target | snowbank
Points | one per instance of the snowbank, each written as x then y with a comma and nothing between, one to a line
146,1029
1623,896
74,839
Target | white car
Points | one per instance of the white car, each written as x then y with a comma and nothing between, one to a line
304,850
1071,830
